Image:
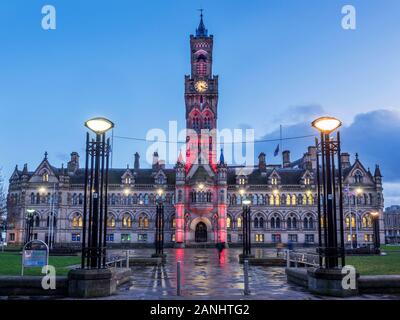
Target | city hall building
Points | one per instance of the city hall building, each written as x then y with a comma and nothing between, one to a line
202,194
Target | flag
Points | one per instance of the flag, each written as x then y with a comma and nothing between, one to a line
276,151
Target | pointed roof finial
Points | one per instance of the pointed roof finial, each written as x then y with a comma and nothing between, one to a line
221,157
201,31
357,156
45,155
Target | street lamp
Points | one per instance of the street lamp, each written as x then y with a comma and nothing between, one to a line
375,218
95,197
327,148
246,228
359,191
29,225
159,237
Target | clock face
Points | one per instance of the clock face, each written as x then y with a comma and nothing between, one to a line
201,86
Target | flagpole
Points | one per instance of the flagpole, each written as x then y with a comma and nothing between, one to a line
280,135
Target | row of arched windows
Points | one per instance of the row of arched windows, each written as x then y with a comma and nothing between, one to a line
200,196
37,198
275,199
143,221
275,222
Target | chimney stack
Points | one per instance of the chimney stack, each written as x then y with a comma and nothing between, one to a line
155,160
345,159
286,158
312,152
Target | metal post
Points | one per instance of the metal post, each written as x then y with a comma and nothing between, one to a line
178,278
249,230
341,218
127,258
246,277
287,258
319,203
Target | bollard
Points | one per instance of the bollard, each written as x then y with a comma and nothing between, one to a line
178,278
246,277
127,258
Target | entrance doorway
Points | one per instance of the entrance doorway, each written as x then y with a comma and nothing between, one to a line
201,232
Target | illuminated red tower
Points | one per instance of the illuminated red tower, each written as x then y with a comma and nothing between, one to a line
201,99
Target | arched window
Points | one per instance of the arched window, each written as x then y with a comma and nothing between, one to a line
367,221
255,222
271,200
238,200
275,222
358,177
80,198
310,199
146,199
308,222
126,220
143,221
261,222
36,221
277,199
239,222
288,200
77,221
173,222
111,221
32,198
75,199
45,177
228,222
353,221
294,200
292,222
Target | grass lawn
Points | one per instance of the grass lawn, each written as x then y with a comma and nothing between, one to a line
376,265
10,264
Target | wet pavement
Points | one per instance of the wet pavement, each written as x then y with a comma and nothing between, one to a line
204,275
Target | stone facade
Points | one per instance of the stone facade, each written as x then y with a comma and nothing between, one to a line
392,224
202,196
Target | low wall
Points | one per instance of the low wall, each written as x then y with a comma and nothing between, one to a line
366,284
379,284
31,286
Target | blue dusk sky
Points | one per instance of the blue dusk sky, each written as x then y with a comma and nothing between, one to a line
280,62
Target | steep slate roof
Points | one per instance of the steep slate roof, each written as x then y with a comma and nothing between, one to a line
288,176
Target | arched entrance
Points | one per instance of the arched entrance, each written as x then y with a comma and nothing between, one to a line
201,232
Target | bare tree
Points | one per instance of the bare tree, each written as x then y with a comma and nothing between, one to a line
3,205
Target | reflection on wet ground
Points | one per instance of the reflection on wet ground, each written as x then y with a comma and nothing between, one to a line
204,275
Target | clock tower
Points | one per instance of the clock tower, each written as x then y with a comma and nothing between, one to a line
201,99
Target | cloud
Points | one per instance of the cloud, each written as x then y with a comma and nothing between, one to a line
373,135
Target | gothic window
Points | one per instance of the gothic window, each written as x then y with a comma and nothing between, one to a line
274,181
126,220
358,177
255,222
75,199
261,222
239,222
196,123
143,222
310,199
45,177
36,221
77,221
294,200
228,222
238,200
173,222
307,181
32,198
207,123
353,222
366,221
288,200
271,200
113,199
111,221
292,222
308,222
80,198
37,198
255,199
201,65
275,222
146,199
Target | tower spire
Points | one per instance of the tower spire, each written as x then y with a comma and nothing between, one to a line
201,31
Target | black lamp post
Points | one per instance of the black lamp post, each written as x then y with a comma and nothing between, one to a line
375,220
330,192
246,228
159,237
29,225
95,197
